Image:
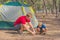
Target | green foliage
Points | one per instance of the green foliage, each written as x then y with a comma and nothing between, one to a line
36,3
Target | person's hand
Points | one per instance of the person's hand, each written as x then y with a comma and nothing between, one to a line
33,33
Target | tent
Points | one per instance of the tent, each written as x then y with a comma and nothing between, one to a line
10,11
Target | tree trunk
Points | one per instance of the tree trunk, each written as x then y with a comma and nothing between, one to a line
55,7
44,5
59,5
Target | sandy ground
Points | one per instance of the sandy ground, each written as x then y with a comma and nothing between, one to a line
13,35
53,32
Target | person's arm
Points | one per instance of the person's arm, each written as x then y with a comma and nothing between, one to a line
28,29
30,24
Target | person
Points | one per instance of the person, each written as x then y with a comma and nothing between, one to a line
23,22
41,28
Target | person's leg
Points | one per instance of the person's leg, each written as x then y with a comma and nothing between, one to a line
38,29
44,31
19,28
41,30
28,29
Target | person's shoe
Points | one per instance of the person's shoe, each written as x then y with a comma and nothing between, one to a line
43,33
19,32
40,33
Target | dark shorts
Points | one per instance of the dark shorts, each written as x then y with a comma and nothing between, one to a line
41,29
18,26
